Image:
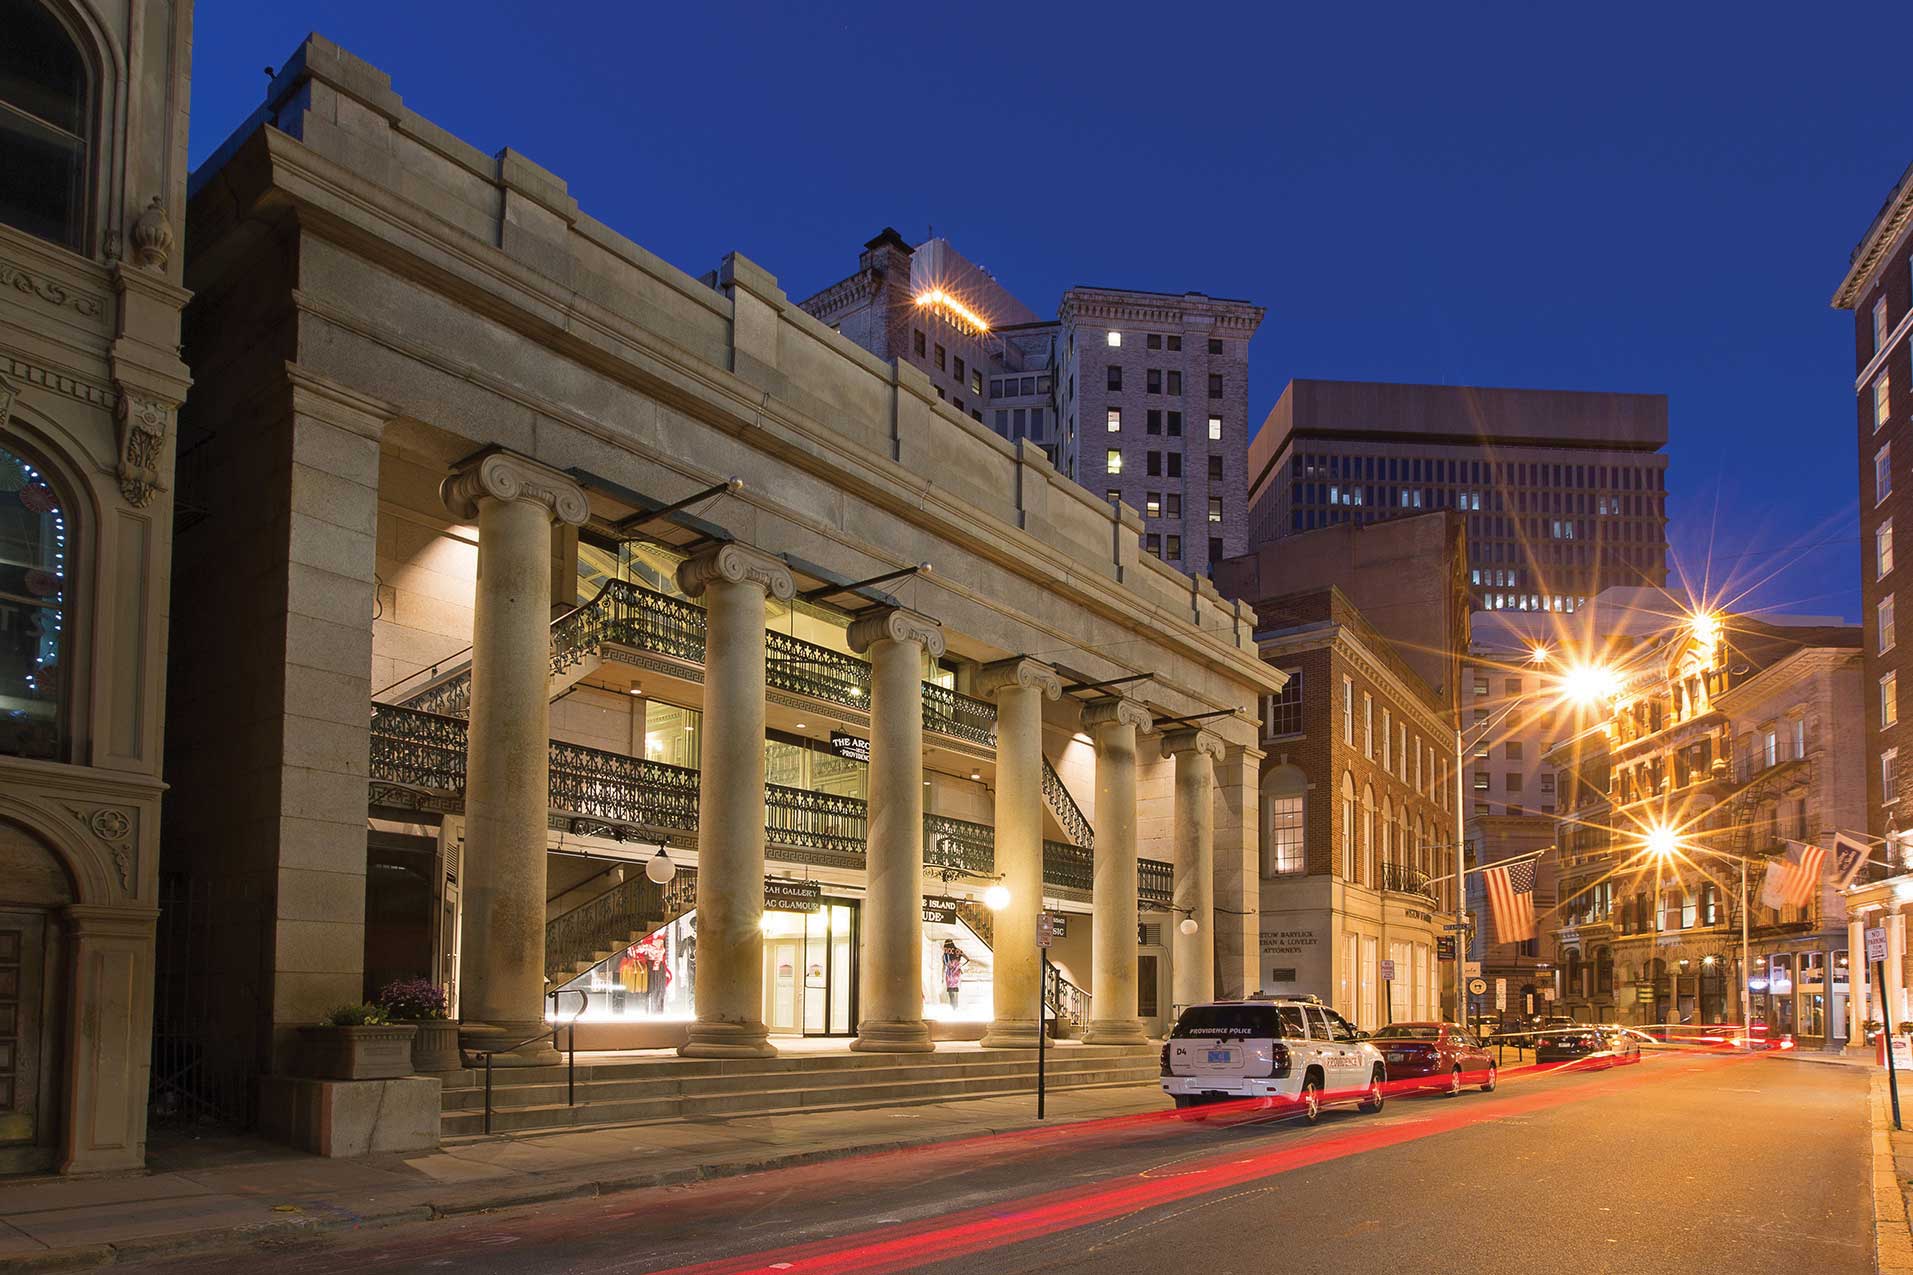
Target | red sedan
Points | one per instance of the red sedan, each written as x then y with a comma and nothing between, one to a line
1434,1055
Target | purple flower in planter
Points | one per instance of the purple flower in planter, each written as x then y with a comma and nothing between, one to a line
412,1000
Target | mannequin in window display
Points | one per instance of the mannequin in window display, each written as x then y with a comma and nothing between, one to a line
953,963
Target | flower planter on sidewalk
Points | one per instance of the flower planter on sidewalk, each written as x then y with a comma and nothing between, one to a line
435,1048
357,1053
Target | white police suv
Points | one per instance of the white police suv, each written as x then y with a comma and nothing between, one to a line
1295,1054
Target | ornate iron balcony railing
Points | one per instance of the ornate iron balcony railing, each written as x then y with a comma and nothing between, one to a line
605,785
417,749
1066,1001
631,615
1154,881
1068,867
1403,879
594,929
812,820
1067,812
804,668
959,845
948,713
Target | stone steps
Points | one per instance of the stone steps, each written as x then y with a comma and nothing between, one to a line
530,1099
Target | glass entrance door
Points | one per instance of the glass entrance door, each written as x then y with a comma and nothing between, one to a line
830,947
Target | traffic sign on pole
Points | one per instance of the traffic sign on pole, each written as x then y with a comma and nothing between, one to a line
1876,944
1477,986
1388,971
1045,929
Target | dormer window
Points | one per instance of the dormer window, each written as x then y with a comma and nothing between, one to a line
45,121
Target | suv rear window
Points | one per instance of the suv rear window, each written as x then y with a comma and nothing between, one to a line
1262,1021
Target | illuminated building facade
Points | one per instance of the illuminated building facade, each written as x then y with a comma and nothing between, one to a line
1141,397
1563,492
1734,734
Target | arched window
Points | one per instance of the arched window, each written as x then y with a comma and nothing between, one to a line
35,594
1284,792
1387,847
45,124
1348,826
1368,835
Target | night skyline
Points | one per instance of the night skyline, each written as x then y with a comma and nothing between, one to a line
1687,222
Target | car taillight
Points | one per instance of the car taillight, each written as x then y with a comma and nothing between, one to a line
1165,1060
1278,1059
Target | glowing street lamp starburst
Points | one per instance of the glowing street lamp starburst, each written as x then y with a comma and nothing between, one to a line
953,308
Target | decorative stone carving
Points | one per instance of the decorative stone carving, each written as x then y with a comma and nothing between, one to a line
142,423
6,401
152,237
114,827
1116,710
894,624
738,565
1193,739
1018,673
47,290
501,475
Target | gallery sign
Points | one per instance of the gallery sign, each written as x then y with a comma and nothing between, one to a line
792,896
850,747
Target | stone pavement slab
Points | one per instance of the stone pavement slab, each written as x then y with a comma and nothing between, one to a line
233,1191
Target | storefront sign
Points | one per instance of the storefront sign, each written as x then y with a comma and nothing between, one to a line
939,911
792,896
1471,968
1282,973
1058,924
1902,1051
1644,994
850,747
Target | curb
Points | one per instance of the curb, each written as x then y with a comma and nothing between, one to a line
1892,1236
299,1229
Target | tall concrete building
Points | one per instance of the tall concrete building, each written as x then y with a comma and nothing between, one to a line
1142,397
1564,492
92,193
1878,288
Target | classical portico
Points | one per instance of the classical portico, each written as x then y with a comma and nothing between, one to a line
1019,688
1876,905
515,501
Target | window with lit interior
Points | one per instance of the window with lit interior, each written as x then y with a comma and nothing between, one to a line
45,122
34,600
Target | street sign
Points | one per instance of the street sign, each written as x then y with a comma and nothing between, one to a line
1445,948
1388,971
1471,968
1876,944
1501,993
1477,986
1045,929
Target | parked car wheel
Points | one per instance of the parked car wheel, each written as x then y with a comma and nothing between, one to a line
1372,1103
1488,1085
1454,1084
1311,1100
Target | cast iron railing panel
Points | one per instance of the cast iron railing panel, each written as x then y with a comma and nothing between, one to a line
1068,813
417,749
606,785
959,845
959,716
1154,881
1403,879
804,668
1068,867
812,820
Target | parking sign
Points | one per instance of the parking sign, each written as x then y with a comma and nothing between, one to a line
1876,944
1388,971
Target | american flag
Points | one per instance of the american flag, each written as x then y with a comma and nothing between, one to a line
1794,876
1511,901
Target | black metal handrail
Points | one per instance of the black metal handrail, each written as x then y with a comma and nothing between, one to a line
607,785
807,819
960,716
570,1050
1068,867
1067,812
957,845
1403,879
1155,881
612,916
804,668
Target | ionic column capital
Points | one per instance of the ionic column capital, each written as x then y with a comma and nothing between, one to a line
502,475
1193,739
1019,673
1116,710
895,624
736,564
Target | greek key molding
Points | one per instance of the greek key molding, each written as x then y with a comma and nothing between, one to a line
895,624
503,476
736,564
141,422
1117,710
1193,740
52,293
1018,674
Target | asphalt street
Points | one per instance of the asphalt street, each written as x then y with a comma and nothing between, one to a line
1684,1162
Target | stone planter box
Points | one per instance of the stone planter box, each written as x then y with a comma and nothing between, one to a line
357,1053
435,1048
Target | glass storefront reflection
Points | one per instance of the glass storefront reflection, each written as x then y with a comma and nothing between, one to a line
957,983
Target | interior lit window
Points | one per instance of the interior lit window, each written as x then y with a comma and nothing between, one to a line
1115,338
34,535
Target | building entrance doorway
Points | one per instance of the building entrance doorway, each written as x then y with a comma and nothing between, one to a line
25,1111
810,970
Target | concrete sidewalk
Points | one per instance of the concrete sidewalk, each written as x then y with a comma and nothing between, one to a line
235,1191
1892,1181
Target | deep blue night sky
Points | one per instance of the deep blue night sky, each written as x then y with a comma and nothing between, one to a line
1659,200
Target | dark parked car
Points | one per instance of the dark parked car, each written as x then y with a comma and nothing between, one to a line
1434,1056
1597,1044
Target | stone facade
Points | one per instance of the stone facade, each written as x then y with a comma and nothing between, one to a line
90,379
428,302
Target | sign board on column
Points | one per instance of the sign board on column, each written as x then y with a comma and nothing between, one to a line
1471,968
1045,929
1445,948
1388,971
1501,993
1876,944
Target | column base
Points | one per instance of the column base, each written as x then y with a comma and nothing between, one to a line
480,1036
1115,1031
905,1036
727,1040
1011,1033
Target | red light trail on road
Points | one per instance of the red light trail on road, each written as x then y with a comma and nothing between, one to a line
975,1230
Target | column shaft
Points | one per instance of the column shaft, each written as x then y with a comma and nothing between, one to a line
1858,979
891,982
1113,1017
507,783
1895,959
729,982
1020,688
1193,955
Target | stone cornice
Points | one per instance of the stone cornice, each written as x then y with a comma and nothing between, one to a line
736,564
1349,644
1021,673
344,204
896,624
336,404
1879,240
1237,318
1117,710
502,475
1192,739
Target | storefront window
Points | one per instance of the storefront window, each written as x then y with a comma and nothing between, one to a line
957,973
672,735
34,599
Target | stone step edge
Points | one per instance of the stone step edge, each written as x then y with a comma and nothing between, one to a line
836,1078
789,1064
548,1130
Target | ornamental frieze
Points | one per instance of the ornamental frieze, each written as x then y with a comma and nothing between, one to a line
50,291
